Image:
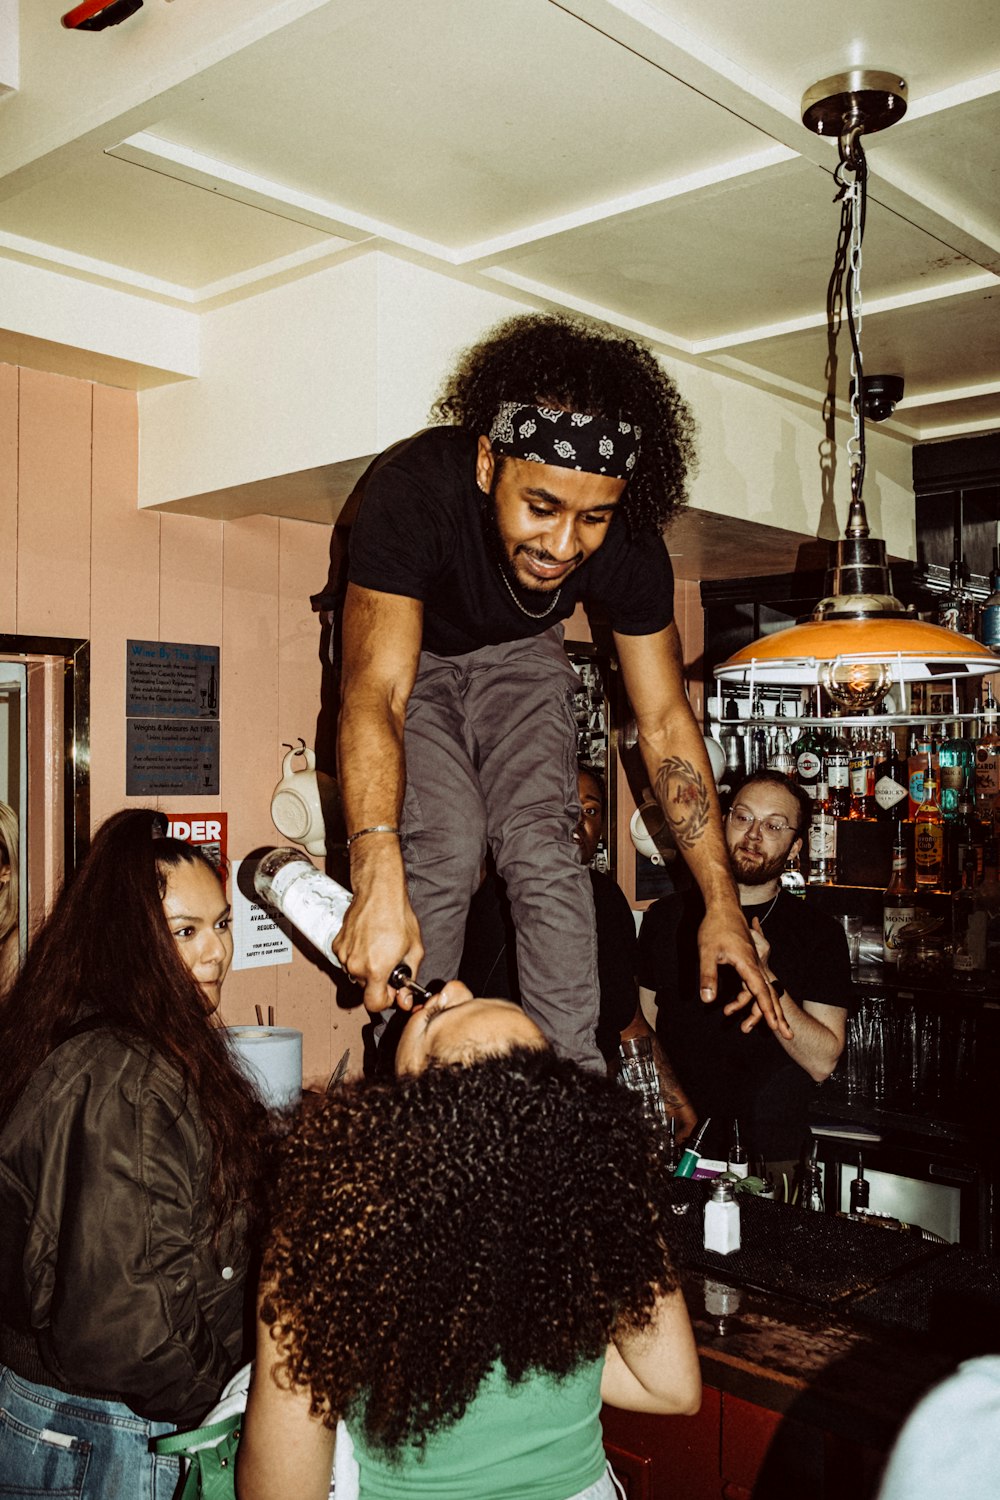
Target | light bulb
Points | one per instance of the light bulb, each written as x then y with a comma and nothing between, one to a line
855,685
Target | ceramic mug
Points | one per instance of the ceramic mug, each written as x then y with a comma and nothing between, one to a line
302,802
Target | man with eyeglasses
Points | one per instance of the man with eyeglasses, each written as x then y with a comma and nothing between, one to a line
727,1066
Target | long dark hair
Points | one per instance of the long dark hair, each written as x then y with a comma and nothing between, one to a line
107,949
541,358
504,1211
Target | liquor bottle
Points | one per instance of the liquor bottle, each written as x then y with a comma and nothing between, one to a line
988,757
965,842
808,753
758,737
316,905
862,773
737,1162
956,759
823,839
811,1189
792,879
860,1189
970,924
921,750
781,758
989,619
928,839
731,738
898,902
838,775
891,784
988,900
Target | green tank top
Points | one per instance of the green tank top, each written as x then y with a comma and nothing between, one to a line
540,1440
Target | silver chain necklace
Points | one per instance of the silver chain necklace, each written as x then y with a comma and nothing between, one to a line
770,908
533,614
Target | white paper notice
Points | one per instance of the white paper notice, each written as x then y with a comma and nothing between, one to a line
257,942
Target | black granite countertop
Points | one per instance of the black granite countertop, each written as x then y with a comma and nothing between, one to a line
843,1325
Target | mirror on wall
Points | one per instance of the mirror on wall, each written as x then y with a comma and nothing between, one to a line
44,781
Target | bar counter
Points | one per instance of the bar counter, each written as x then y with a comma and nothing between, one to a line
816,1339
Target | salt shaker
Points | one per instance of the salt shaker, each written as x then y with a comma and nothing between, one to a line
722,1219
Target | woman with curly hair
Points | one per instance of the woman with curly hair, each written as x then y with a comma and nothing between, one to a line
130,1167
566,450
464,1263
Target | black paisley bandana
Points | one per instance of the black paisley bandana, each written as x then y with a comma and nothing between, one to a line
568,439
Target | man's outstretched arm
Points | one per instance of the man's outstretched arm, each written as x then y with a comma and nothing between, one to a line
381,649
673,750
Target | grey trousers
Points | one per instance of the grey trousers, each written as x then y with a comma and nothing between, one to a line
490,742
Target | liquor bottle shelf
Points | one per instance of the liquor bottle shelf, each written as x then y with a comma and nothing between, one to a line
852,721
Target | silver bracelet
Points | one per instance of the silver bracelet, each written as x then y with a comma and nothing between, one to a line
375,828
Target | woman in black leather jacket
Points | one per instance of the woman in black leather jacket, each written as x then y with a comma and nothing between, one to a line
130,1170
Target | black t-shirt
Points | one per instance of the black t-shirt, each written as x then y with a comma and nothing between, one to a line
489,959
724,1072
419,532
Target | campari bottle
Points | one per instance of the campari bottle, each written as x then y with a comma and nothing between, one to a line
838,774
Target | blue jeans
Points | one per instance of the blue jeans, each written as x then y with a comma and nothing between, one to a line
77,1447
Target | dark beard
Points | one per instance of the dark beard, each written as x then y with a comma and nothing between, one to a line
530,598
769,869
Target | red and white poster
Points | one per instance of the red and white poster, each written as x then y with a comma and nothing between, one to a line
207,831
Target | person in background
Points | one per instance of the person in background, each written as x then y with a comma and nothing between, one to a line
948,1448
472,544
724,1064
489,962
131,1158
9,908
464,1263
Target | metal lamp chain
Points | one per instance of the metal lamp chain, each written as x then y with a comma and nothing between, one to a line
855,444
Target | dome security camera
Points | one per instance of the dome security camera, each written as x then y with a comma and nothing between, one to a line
96,15
882,393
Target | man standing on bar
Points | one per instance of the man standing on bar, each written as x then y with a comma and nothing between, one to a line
566,456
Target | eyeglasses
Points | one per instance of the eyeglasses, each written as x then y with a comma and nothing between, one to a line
772,827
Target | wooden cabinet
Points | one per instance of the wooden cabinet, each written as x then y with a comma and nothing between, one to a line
735,1450
666,1458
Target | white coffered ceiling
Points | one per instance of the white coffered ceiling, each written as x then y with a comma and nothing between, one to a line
641,161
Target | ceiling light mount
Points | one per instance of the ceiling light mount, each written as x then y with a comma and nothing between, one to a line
859,639
860,99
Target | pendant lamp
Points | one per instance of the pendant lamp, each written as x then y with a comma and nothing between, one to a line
859,639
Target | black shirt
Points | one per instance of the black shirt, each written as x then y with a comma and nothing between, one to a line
724,1072
419,532
489,959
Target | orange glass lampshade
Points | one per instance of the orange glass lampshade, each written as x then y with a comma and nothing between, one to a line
913,650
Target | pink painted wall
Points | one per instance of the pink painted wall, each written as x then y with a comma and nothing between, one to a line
77,558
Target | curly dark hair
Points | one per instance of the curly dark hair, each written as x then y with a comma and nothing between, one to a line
507,1210
106,948
540,358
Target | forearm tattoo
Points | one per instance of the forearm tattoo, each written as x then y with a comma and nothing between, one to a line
670,1090
683,795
